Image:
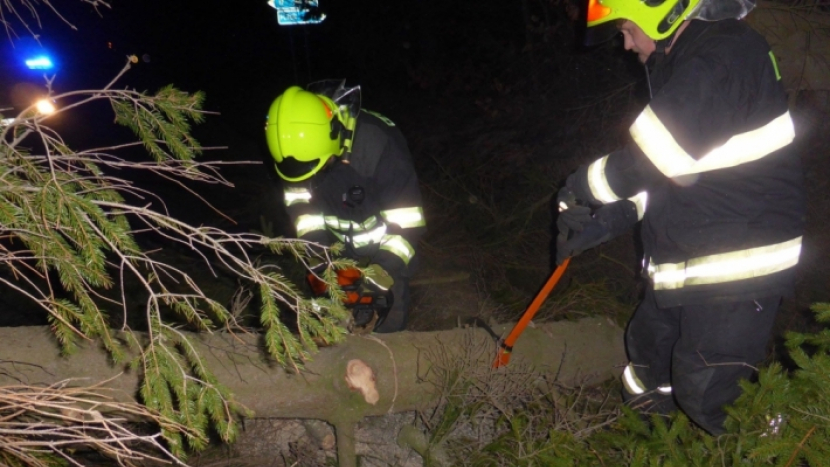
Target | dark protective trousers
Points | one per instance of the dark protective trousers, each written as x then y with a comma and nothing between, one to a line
399,312
701,351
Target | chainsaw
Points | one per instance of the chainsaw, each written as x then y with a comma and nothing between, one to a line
368,303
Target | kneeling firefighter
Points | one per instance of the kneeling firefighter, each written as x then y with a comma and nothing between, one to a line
349,178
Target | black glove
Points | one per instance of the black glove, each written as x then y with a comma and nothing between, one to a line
572,215
573,220
566,199
608,222
592,234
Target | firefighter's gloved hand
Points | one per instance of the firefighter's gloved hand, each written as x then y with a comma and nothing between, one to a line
566,199
572,214
609,221
573,220
378,276
593,233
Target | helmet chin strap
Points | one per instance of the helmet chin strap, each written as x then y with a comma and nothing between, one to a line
659,54
347,132
660,47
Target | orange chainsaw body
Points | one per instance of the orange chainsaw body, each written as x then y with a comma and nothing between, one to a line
349,280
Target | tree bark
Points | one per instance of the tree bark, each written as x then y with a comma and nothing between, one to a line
403,364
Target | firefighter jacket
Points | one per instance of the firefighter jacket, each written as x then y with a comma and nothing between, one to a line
372,204
712,171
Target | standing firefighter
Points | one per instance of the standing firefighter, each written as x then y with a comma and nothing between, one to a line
712,174
350,179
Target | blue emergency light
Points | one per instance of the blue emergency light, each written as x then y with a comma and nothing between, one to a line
31,53
41,62
292,12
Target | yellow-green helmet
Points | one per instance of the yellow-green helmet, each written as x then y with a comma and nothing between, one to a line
303,133
657,18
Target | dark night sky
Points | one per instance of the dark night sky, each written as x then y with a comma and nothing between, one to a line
237,53
232,50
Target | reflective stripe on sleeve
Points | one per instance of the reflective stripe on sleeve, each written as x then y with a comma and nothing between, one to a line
343,225
407,218
308,223
296,196
370,237
640,200
598,184
399,247
726,267
665,153
370,232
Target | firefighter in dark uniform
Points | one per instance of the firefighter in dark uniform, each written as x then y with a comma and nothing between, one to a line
713,176
350,178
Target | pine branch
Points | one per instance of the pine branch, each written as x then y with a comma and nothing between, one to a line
70,247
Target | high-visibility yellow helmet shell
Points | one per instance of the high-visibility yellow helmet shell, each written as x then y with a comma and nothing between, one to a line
657,18
303,133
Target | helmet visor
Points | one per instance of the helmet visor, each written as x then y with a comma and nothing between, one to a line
295,170
709,10
336,90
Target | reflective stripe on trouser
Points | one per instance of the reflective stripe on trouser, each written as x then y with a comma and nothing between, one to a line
633,385
631,382
644,398
703,350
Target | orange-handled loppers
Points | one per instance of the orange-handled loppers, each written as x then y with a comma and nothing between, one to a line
506,346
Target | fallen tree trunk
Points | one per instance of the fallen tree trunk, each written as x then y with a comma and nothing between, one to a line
364,376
